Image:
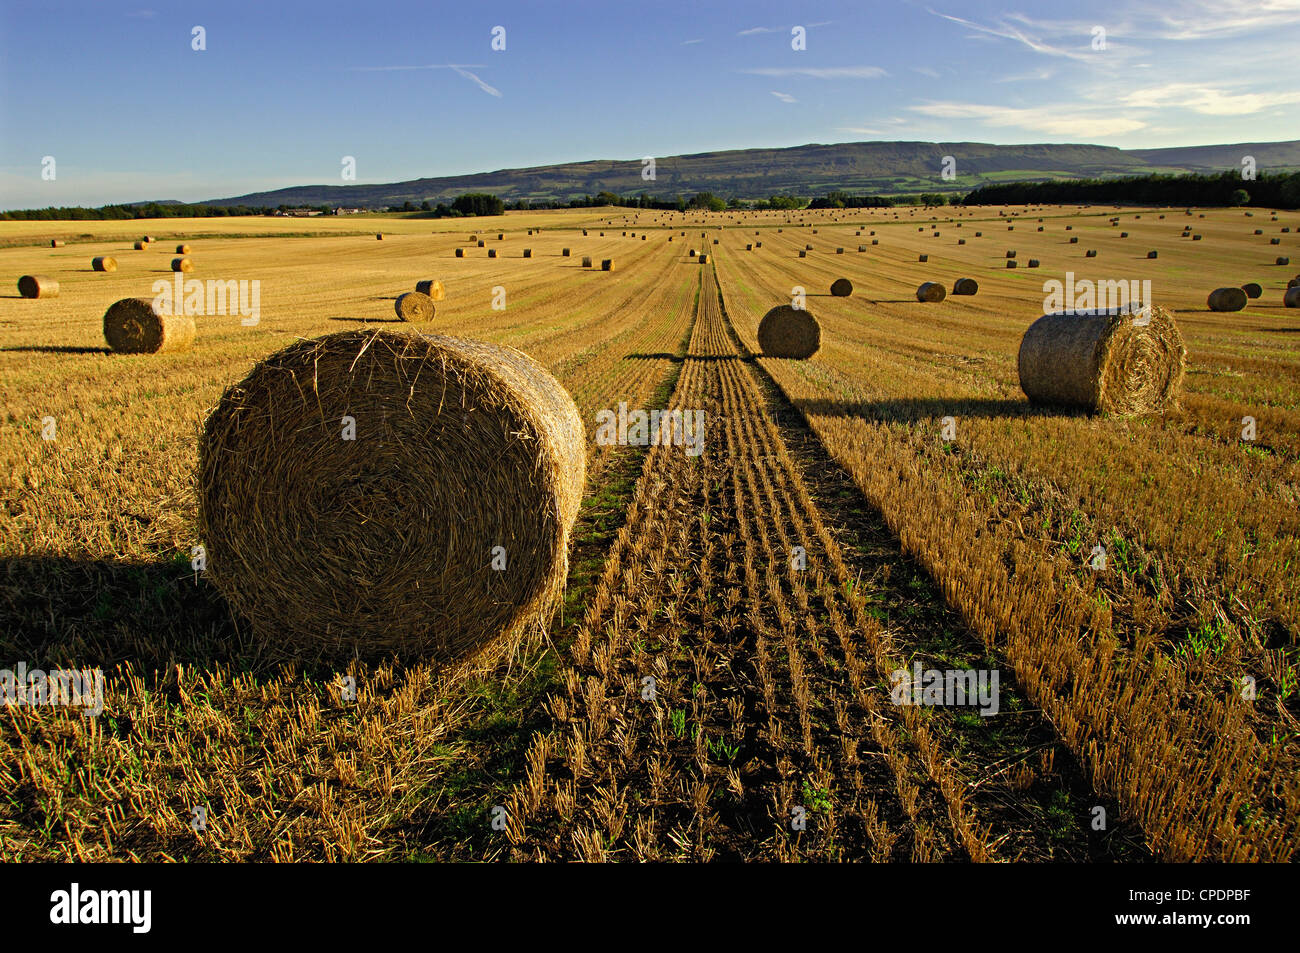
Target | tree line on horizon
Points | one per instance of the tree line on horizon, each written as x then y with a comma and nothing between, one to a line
1224,189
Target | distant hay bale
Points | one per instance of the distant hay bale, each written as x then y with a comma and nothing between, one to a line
979,234
134,326
1074,239
1283,261
103,263
802,253
501,236
931,291
692,253
1116,361
862,248
1153,254
379,236
492,252
1252,289
460,253
528,253
1226,299
791,332
808,248
182,249
1196,238
839,251
38,286
586,261
961,241
1090,253
441,529
1123,234
147,239
1011,253
758,244
1011,263
749,247
481,244
414,306
182,264
564,253
55,243
922,257
965,286
704,259
141,246
1291,298
607,264
875,241
1275,241
1259,231
841,287
432,287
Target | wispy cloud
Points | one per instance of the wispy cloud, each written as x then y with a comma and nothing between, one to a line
784,97
460,69
925,71
827,72
1207,100
754,30
1009,32
691,42
1057,119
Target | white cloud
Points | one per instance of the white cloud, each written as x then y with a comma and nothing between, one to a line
461,69
828,72
1063,119
784,97
761,29
925,71
1207,100
691,42
1008,32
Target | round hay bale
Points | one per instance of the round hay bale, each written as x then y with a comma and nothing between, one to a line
564,253
432,287
1011,263
839,251
1090,253
414,306
931,291
692,253
586,261
379,236
182,249
802,253
1074,239
749,247
875,241
1252,289
841,287
141,246
1259,231
808,248
1196,238
492,252
965,286
1153,254
704,259
134,326
103,263
146,239
1275,241
607,264
786,331
1226,299
182,264
1292,282
386,545
1123,234
923,258
1291,298
961,241
1103,361
528,253
1283,261
481,244
862,248
460,253
501,236
55,243
1011,253
38,286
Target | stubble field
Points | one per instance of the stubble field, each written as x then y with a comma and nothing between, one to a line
1127,688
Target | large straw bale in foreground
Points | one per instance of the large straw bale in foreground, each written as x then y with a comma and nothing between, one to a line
134,326
786,331
387,544
1115,361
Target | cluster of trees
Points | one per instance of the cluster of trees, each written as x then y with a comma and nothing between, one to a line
471,203
1224,189
124,212
844,200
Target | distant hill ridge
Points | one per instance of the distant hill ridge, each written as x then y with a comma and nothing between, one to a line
878,168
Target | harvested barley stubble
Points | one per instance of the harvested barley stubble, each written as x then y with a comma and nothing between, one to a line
1120,361
134,326
965,286
786,331
103,263
38,286
931,291
182,264
414,306
1226,299
841,287
431,287
1252,289
386,545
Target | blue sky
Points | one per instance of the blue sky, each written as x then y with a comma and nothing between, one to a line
129,111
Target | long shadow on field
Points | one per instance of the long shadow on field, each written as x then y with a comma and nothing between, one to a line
913,409
58,349
96,613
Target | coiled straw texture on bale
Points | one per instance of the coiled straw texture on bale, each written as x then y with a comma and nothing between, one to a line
786,331
1120,362
414,306
385,544
134,326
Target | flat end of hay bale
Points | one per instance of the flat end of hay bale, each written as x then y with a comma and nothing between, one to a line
415,307
182,264
841,287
